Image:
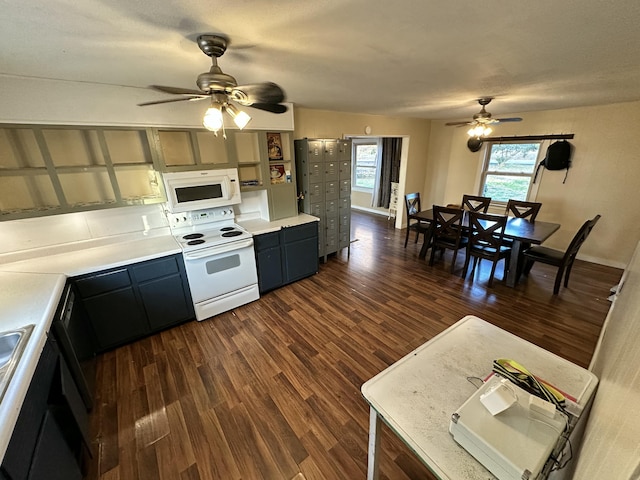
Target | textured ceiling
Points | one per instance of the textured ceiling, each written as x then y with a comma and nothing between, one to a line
421,58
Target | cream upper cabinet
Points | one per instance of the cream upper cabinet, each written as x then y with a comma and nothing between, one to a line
47,169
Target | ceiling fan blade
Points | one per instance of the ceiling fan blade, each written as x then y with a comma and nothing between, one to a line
512,119
457,124
270,107
176,90
181,99
258,93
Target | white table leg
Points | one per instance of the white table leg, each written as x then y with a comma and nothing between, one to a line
374,444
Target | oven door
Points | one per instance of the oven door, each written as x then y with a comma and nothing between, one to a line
219,270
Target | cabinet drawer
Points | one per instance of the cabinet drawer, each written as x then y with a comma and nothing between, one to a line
104,282
300,232
267,240
155,269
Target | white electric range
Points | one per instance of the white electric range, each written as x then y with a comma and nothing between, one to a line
219,259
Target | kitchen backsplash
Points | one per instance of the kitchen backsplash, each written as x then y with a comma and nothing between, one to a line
26,234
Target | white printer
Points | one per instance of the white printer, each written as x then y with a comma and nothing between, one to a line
511,432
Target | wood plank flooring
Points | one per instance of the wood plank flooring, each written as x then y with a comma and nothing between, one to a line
271,390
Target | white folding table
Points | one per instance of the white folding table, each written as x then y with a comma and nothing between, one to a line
416,395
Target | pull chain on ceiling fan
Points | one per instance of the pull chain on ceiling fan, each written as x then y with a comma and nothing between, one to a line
222,89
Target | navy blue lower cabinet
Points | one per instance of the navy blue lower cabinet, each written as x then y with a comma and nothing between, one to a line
131,302
300,248
51,435
269,261
287,255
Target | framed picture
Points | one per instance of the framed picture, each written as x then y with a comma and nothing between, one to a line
274,144
277,173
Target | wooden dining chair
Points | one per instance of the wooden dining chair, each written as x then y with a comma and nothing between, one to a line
412,206
557,258
447,232
522,209
485,242
474,203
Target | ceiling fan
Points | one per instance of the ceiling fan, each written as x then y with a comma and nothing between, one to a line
480,125
222,89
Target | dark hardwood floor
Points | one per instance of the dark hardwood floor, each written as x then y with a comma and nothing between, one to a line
271,390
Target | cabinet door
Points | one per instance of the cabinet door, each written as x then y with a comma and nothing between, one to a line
17,458
269,264
330,150
300,249
165,301
52,458
116,317
331,171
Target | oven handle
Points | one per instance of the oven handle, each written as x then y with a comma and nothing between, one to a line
212,251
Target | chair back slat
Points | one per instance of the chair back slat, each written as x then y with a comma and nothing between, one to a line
474,203
447,222
522,209
412,203
486,231
579,239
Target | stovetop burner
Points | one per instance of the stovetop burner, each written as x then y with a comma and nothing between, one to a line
192,236
195,242
232,233
226,229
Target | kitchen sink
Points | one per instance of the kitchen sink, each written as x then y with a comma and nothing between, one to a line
12,345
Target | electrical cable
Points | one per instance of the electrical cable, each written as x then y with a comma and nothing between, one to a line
528,382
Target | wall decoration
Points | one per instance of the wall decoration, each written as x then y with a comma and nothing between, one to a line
274,144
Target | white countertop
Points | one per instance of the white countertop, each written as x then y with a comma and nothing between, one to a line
32,281
259,226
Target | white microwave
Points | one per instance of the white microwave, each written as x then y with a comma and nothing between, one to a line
200,189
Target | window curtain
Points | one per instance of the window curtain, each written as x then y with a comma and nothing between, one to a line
389,171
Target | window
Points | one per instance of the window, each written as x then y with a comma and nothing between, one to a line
508,170
365,154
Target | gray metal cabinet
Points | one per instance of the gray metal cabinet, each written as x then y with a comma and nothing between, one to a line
130,302
323,174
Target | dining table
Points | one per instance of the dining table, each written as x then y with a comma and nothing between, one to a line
519,230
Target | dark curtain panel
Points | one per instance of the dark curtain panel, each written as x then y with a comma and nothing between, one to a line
389,169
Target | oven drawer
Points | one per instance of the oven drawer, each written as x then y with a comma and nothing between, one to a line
216,271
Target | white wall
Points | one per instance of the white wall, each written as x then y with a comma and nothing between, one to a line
604,178
34,100
611,445
414,133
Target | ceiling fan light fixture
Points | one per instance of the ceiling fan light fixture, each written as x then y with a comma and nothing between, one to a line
479,131
213,118
240,118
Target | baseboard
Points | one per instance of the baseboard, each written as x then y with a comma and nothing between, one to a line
383,213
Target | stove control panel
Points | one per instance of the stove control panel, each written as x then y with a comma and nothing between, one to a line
200,217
